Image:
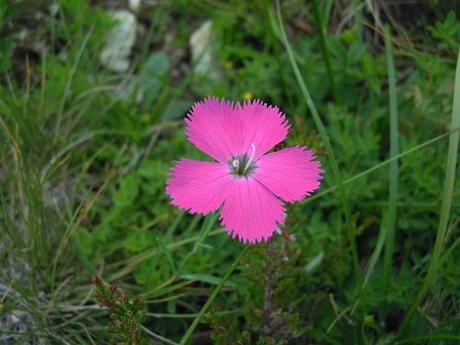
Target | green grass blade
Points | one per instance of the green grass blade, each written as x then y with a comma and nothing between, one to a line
322,41
211,298
371,266
423,338
325,8
449,182
157,337
208,224
325,138
390,223
357,6
70,79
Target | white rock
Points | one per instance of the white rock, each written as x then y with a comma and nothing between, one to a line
17,316
119,42
134,5
200,46
54,9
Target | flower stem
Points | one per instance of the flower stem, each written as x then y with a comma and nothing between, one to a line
211,298
268,287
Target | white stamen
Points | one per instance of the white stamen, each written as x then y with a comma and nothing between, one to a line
236,163
253,152
251,157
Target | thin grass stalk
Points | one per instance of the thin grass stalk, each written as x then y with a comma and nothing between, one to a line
67,89
211,298
423,338
357,8
157,337
208,224
390,223
449,183
371,266
380,165
324,50
324,136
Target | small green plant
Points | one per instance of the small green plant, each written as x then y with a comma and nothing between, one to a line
447,31
126,315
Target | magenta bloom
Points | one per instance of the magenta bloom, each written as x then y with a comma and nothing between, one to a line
249,183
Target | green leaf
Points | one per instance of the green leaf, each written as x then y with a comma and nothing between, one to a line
206,278
139,241
176,109
127,191
151,77
156,65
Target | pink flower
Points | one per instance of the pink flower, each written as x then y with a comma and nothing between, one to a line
245,180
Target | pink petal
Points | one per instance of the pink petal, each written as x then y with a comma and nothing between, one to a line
213,127
251,213
224,130
291,174
263,125
198,186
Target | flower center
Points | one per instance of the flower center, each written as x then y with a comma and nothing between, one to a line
243,165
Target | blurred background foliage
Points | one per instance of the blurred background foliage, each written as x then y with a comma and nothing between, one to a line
85,149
